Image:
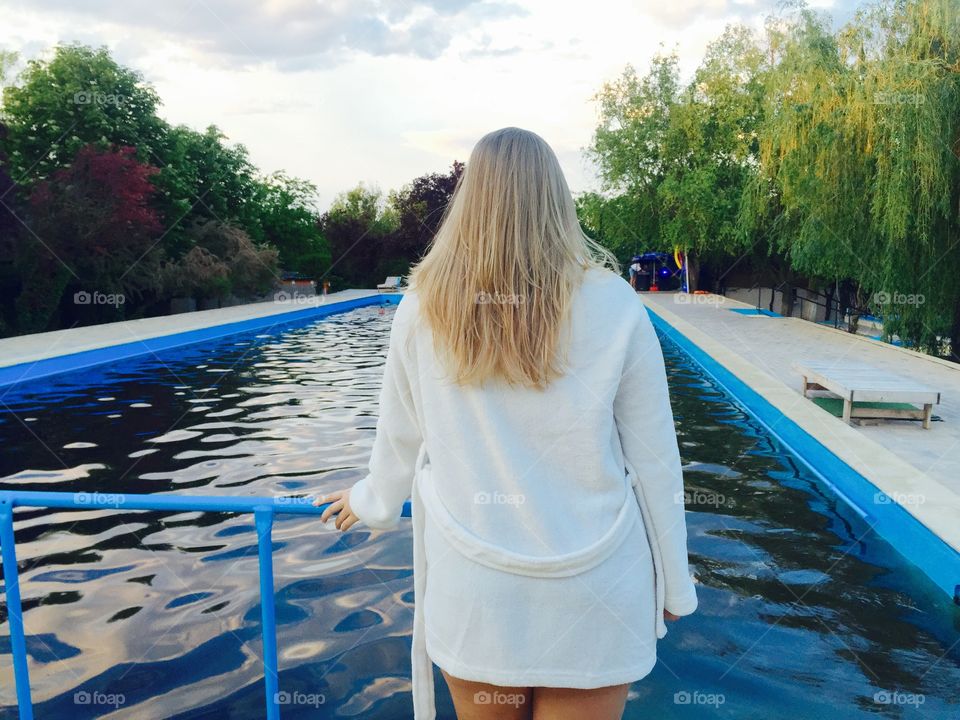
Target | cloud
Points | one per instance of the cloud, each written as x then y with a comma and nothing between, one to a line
295,34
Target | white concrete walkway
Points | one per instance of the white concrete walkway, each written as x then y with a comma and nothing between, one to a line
899,457
30,348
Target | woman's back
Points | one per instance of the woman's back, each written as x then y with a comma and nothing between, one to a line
538,472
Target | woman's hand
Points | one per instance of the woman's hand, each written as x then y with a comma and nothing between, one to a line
339,506
670,617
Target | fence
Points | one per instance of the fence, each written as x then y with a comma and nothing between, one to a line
263,510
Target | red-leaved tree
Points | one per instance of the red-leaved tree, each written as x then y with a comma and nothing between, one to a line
94,233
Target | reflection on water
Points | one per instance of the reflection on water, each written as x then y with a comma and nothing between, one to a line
804,611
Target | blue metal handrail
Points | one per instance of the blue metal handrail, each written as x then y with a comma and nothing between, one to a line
262,508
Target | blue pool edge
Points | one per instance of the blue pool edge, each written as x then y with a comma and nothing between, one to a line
70,362
897,526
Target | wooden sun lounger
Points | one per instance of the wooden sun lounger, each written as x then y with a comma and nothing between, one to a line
860,383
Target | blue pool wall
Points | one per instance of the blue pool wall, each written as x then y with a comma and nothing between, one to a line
905,533
35,370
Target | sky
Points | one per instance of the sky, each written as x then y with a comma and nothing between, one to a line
381,91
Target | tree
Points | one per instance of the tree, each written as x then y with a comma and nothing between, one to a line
290,223
224,260
78,98
202,178
419,208
355,227
93,232
859,174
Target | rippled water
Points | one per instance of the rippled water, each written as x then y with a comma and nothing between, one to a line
805,613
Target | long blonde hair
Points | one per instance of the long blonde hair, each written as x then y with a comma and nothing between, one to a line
498,281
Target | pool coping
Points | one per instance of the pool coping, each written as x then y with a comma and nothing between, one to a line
153,335
863,473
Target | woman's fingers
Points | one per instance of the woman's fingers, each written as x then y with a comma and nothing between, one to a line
338,506
332,509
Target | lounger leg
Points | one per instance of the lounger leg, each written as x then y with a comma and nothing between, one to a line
927,414
803,388
847,410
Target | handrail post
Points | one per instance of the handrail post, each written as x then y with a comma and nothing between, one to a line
263,518
11,580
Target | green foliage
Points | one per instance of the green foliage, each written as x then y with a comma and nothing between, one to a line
356,227
205,188
79,97
290,223
832,153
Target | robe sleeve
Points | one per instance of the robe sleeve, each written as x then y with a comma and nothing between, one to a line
377,499
648,437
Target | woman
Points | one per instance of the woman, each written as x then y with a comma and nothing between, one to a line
523,383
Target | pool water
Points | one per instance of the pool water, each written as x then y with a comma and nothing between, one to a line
805,612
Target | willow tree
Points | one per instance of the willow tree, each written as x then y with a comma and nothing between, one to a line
859,174
910,113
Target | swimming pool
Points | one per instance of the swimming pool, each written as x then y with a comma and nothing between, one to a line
805,612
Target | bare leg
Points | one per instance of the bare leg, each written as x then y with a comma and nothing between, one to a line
480,701
606,703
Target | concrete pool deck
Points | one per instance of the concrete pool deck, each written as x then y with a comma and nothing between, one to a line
918,468
41,346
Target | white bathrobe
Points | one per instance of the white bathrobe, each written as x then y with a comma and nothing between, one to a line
531,487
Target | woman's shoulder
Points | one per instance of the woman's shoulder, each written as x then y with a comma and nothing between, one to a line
600,284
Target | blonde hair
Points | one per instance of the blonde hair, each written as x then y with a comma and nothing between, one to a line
498,282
